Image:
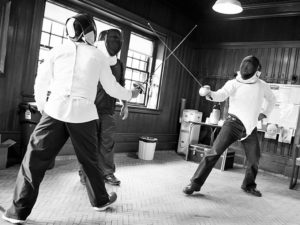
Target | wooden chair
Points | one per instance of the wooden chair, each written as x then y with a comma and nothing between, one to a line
296,166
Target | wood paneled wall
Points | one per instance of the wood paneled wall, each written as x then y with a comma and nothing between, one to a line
280,28
280,63
22,51
157,11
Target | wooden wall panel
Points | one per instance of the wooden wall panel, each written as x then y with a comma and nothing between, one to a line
158,12
22,50
249,30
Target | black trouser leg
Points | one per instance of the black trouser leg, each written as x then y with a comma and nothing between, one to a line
107,131
45,142
252,152
231,131
85,142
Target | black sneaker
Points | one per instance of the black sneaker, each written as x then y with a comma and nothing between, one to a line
111,179
112,199
12,220
188,190
252,191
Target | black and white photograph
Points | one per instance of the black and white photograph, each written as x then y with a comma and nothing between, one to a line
149,112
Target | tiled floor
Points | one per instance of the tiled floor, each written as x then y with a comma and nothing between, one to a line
151,193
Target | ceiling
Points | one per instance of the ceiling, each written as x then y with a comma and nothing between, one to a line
202,9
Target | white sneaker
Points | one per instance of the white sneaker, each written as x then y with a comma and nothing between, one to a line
11,220
112,199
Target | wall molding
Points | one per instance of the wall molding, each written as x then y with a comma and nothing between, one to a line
117,14
129,142
259,44
267,10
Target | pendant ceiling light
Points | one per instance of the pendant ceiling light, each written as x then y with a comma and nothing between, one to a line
228,6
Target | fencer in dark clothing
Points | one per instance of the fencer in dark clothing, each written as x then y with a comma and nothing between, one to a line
246,95
110,43
107,126
71,72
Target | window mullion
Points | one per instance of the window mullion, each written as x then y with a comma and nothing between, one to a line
125,46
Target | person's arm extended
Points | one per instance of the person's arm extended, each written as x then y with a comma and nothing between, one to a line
110,85
270,100
42,82
221,94
124,110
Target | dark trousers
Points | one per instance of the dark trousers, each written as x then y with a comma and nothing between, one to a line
45,142
106,142
231,131
106,132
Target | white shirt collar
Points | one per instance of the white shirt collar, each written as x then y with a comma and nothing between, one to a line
251,80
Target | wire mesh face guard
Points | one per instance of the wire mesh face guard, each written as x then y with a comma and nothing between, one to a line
113,39
79,28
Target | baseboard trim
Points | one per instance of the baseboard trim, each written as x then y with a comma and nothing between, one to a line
129,142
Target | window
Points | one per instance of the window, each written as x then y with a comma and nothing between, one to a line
140,68
141,52
53,30
138,65
53,34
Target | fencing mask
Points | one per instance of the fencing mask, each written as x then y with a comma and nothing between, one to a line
113,39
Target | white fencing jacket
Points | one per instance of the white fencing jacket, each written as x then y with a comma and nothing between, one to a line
246,98
72,72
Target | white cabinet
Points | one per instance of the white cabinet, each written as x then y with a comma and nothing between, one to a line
189,134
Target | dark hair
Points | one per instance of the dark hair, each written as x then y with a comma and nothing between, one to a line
255,62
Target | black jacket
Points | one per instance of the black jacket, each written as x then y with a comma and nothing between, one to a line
105,103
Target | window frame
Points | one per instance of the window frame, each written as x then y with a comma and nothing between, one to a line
148,71
50,35
127,27
126,36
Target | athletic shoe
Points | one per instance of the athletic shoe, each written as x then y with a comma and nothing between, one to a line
112,199
111,179
188,190
12,220
252,191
